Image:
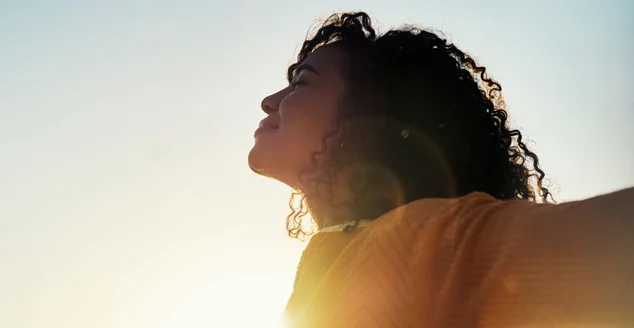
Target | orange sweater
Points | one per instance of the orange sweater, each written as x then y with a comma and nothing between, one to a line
474,262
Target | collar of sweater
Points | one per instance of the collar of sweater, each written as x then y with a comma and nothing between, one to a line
341,227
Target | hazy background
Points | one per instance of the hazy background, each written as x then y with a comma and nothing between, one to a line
125,197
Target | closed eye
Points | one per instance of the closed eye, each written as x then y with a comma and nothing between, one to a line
296,84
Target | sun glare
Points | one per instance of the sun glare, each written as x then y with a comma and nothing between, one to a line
240,301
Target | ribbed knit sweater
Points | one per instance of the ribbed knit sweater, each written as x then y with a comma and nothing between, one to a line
474,262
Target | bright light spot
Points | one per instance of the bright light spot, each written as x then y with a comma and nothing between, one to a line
242,301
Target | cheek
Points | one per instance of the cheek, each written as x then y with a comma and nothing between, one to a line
304,125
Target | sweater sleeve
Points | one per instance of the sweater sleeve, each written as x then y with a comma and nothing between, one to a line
522,264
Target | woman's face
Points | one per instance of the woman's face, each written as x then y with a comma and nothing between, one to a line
299,117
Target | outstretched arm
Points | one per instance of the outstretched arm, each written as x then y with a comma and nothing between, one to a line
521,264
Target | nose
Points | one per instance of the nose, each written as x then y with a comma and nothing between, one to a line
271,103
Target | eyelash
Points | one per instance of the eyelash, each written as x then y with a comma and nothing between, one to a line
297,83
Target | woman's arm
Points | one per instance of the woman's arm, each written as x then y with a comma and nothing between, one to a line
521,264
563,265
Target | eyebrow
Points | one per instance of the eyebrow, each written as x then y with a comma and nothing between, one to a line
307,67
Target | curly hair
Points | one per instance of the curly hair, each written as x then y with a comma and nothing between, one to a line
419,115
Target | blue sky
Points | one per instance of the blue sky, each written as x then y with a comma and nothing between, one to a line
125,198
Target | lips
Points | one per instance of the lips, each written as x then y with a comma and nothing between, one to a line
260,131
265,127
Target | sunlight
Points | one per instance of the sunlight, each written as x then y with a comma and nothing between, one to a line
235,301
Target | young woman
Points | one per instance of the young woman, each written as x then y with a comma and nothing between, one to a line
426,202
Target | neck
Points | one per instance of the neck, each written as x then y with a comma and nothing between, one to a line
331,204
328,204
327,215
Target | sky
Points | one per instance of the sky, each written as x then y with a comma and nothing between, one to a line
125,195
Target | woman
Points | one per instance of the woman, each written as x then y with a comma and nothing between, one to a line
425,201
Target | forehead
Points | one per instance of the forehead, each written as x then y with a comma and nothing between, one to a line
328,59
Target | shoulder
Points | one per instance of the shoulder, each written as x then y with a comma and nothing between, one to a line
479,215
421,212
436,219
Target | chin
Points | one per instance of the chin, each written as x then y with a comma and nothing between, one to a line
264,163
261,160
255,161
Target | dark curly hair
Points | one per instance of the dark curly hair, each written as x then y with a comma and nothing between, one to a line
419,115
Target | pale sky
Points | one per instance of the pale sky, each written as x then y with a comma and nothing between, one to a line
125,196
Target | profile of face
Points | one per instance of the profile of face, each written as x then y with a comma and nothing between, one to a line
299,117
